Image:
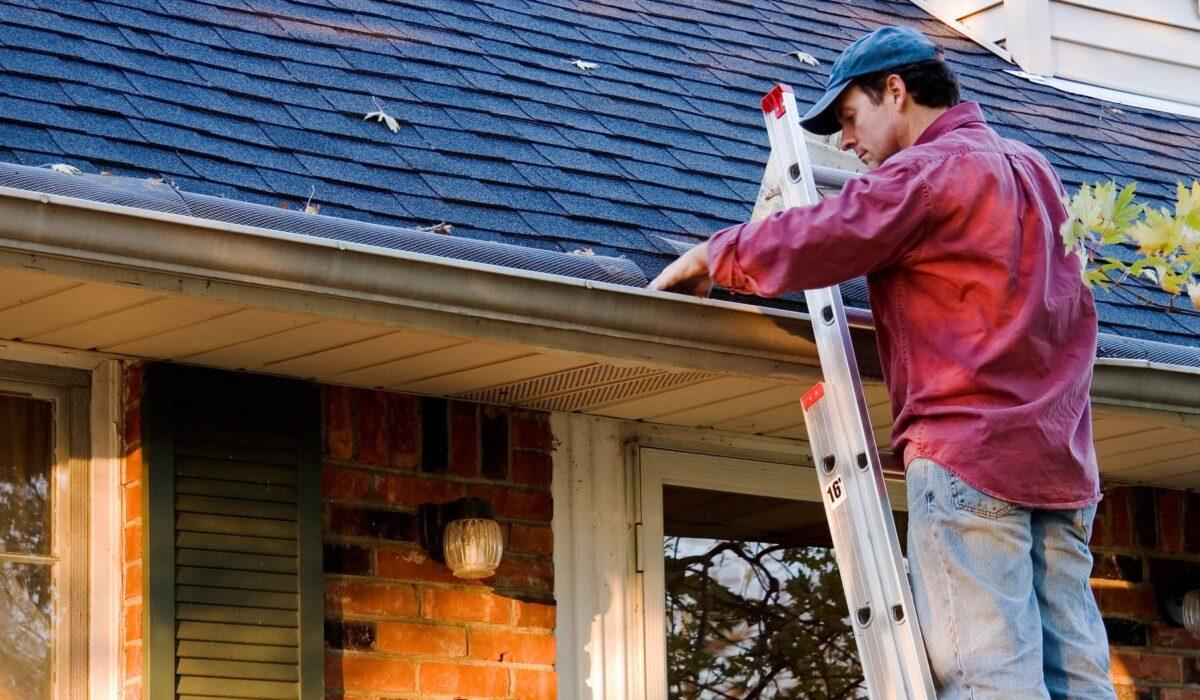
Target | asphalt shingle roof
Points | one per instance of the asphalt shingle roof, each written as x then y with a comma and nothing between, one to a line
500,134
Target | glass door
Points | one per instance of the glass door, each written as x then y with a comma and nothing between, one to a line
742,594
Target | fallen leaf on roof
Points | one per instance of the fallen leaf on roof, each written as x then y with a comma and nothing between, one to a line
154,180
443,228
805,57
584,65
105,173
1117,111
309,207
64,168
583,251
380,115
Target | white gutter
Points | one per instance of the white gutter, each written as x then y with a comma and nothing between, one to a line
174,254
171,253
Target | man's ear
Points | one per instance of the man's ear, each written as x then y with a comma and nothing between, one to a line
897,91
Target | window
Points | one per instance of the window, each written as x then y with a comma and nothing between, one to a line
741,590
43,550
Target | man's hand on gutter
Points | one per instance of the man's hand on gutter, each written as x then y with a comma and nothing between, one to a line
687,275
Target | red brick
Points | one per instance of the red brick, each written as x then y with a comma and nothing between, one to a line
133,465
339,430
344,483
531,467
371,416
370,598
131,499
530,539
133,538
460,679
1121,520
512,647
411,564
133,660
532,684
1101,525
365,674
1177,638
133,374
538,615
132,630
1126,601
1170,514
516,503
133,424
464,438
428,640
1147,667
133,691
1191,521
403,419
535,575
1167,694
133,580
448,605
532,430
412,491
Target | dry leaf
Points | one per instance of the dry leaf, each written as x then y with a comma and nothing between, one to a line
383,116
65,169
443,228
309,207
584,65
154,180
583,251
805,57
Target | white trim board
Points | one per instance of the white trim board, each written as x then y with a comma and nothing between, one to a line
1110,95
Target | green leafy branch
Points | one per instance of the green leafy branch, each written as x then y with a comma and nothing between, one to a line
1168,242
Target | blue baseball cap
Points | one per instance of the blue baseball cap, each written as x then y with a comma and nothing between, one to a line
882,49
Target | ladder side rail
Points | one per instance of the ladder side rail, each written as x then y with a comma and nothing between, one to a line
846,430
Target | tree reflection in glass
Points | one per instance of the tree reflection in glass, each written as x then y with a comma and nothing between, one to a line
26,556
755,620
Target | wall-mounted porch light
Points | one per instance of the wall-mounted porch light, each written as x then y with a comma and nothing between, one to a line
462,534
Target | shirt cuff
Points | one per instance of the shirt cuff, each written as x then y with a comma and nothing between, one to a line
723,266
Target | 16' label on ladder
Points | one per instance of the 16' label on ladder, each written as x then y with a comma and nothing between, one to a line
835,493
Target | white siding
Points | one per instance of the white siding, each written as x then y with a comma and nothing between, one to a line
1146,47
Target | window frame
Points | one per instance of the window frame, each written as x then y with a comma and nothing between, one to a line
68,390
657,467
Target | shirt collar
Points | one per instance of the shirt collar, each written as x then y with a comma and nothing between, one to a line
960,114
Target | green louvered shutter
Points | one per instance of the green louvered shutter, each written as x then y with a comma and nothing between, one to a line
233,534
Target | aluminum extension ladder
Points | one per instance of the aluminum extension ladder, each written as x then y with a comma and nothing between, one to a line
847,463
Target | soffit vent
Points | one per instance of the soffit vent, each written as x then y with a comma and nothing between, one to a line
587,388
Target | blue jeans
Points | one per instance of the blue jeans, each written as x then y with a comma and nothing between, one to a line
1002,593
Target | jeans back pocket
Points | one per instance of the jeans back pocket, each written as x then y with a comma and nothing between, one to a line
968,498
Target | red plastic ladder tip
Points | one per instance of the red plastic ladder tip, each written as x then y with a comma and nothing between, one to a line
813,395
772,102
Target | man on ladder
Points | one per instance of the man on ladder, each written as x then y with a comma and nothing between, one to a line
986,335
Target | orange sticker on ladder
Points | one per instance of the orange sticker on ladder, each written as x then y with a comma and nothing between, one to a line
814,395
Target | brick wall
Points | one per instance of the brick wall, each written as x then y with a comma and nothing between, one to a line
131,509
397,623
1145,536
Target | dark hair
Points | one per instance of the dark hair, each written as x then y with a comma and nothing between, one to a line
931,83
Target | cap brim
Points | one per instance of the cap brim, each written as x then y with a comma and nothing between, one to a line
821,119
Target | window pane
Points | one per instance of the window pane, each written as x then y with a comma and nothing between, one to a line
26,631
755,607
26,434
